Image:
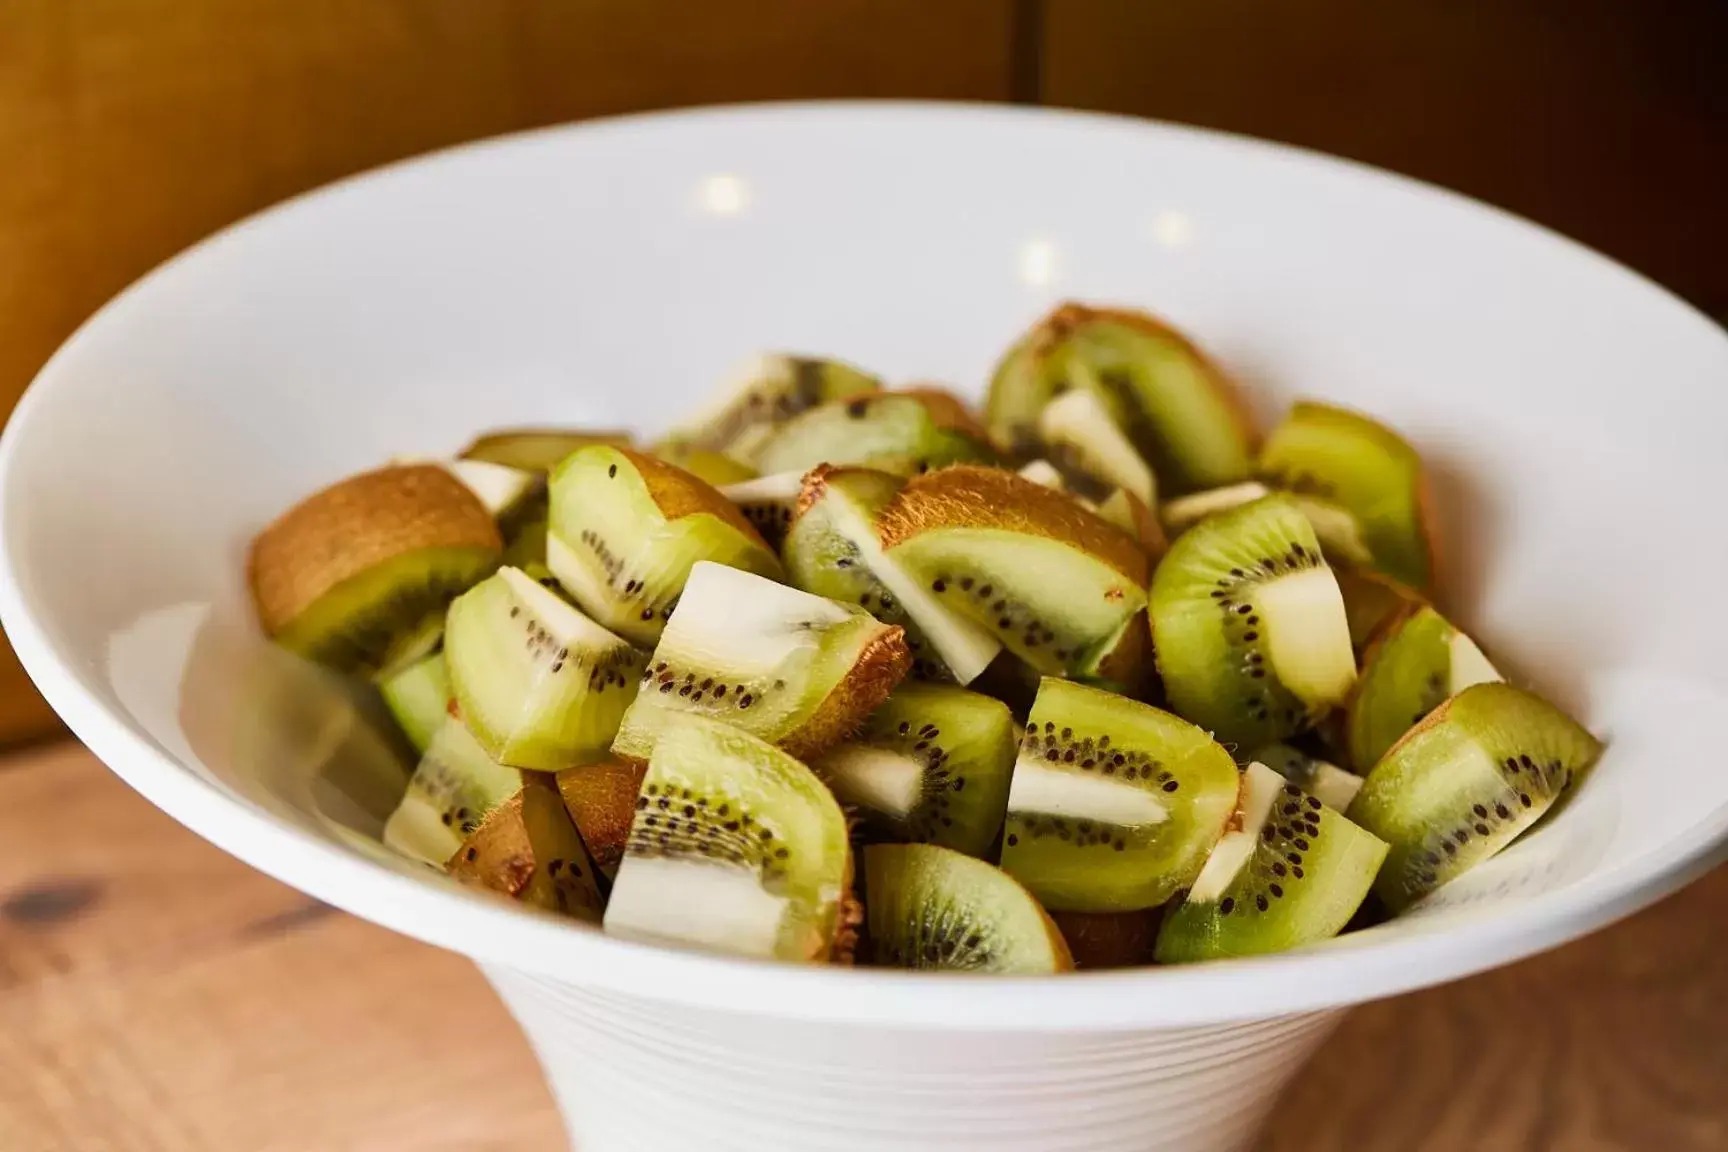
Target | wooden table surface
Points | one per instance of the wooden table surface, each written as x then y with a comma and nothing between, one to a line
157,994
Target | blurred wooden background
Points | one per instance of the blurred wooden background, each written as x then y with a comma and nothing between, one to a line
130,128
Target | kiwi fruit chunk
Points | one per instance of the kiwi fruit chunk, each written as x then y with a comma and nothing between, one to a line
768,502
1119,507
1113,804
418,697
735,847
453,788
357,576
1337,530
626,529
1249,627
705,464
539,684
1093,456
1057,585
527,849
932,908
1321,779
1290,873
931,765
796,670
1371,601
1465,782
1110,939
1366,469
1418,660
601,800
897,432
833,550
1184,512
536,449
769,390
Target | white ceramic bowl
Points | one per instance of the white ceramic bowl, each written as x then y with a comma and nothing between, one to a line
610,274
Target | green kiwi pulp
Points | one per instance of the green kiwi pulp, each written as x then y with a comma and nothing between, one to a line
419,698
528,850
1090,452
1418,661
455,785
833,550
1467,781
626,530
933,908
1321,779
1292,873
538,683
767,391
796,670
1366,469
893,432
705,464
1249,626
1113,804
537,449
735,847
768,502
930,765
1058,586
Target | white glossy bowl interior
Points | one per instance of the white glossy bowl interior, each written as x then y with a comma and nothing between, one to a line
611,273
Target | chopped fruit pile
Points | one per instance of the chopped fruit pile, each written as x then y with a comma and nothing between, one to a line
845,673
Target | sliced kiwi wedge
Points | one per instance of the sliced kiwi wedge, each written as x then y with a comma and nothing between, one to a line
1057,585
1468,780
768,390
601,800
1321,779
1249,627
768,502
1367,470
932,908
1118,506
899,432
833,550
419,698
796,670
537,449
455,785
626,529
1338,531
1113,804
705,464
539,684
736,847
527,849
1290,873
1093,456
930,765
357,576
1418,660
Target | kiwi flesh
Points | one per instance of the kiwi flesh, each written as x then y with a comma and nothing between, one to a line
418,697
1468,780
539,684
705,464
1289,873
796,670
453,788
1113,804
833,550
1248,624
357,576
1337,530
537,449
527,849
1321,779
601,800
1110,939
932,908
1366,469
626,530
895,432
766,391
768,502
1057,585
1091,453
735,847
931,765
1418,660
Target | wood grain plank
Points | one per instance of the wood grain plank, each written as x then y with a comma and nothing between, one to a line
156,994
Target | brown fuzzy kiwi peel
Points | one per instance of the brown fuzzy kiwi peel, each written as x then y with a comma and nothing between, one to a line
601,800
880,667
1110,939
947,410
678,494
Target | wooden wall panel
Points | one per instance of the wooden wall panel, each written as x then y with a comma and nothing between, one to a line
131,128
1605,119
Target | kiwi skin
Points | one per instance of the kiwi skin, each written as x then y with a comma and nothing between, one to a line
1110,939
601,800
527,849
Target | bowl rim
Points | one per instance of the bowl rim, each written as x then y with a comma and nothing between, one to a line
1359,968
